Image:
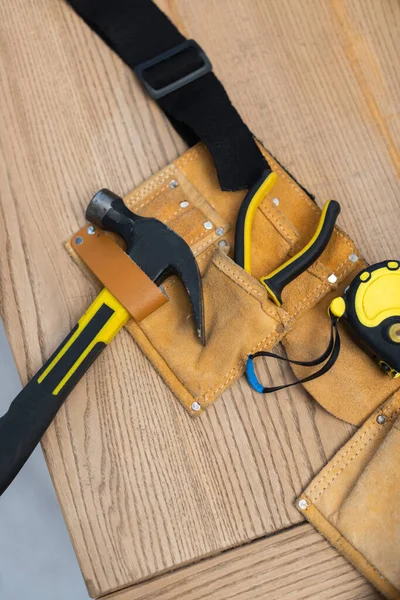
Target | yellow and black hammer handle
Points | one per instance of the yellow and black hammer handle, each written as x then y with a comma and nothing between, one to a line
32,411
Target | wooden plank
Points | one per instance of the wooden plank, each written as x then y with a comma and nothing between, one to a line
292,565
143,487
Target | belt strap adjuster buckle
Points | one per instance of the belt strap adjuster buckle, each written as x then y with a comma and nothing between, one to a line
157,93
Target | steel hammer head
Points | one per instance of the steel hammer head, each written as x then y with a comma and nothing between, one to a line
154,247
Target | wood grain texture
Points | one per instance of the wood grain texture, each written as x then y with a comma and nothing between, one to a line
297,564
143,487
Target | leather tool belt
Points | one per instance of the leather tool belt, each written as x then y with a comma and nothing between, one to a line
240,317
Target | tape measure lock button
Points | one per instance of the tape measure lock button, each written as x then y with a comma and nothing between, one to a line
365,276
394,332
393,265
337,307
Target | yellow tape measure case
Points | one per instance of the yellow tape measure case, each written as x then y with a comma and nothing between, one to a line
371,307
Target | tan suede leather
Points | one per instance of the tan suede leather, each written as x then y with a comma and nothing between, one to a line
240,318
355,500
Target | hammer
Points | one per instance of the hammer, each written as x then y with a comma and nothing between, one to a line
159,252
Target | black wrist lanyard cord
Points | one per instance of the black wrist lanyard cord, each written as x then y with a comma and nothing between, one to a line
330,355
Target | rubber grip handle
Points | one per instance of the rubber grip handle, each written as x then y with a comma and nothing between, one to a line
281,277
246,215
28,418
32,411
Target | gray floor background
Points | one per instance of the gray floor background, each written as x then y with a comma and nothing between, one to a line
36,556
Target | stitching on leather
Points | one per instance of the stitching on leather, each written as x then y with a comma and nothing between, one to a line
293,185
394,400
150,198
218,263
212,391
339,460
159,179
205,254
319,269
173,215
165,221
189,155
346,465
308,300
210,240
305,197
199,237
371,565
229,271
277,222
337,541
147,187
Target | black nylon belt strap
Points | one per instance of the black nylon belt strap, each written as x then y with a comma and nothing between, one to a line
177,74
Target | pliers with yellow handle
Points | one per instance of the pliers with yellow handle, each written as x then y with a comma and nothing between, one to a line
276,281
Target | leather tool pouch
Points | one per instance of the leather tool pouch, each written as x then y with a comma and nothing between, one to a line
354,501
240,317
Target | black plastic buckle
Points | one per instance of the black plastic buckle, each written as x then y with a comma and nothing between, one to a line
175,85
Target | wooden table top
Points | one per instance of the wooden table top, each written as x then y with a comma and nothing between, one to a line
143,487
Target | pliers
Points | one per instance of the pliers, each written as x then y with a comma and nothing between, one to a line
276,281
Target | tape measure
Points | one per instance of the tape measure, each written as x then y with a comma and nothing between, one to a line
371,308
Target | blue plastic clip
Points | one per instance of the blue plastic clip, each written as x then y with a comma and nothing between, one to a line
252,377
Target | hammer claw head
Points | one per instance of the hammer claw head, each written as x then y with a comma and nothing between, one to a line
183,264
153,246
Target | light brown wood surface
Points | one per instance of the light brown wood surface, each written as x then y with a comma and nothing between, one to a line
297,564
143,487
